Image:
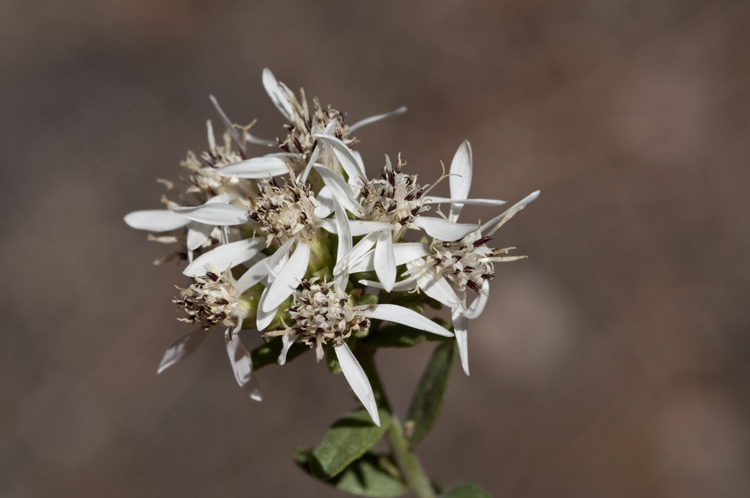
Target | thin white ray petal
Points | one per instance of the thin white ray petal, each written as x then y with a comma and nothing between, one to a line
373,119
461,328
242,365
357,252
435,286
343,154
182,348
227,122
288,277
155,220
460,179
198,233
385,262
215,214
475,202
339,189
252,276
406,252
445,230
277,258
400,286
286,343
324,198
510,212
358,157
278,96
257,167
345,240
319,146
404,316
358,227
358,380
477,305
226,256
403,253
264,318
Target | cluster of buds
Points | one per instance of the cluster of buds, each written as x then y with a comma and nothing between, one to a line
261,255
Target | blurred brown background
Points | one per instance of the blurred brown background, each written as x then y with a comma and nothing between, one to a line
614,362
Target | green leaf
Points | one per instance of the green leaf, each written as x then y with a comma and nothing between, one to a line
347,439
428,398
268,353
401,336
373,474
465,491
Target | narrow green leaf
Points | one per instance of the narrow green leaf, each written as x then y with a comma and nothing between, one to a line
268,353
465,491
373,474
347,439
428,398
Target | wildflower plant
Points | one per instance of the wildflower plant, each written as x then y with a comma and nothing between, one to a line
302,248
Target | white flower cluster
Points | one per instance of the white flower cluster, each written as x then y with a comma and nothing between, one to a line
261,250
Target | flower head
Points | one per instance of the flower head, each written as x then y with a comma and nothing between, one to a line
284,211
211,299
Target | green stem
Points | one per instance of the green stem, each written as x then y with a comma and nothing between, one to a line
403,453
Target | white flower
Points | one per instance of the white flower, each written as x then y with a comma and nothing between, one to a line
301,146
323,313
211,300
451,265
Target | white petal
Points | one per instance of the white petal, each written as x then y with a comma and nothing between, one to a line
385,262
253,276
277,258
288,277
357,252
181,348
257,167
319,146
460,179
357,156
358,380
226,256
372,119
358,227
264,318
461,328
242,365
477,305
324,199
476,202
443,229
286,341
278,96
404,316
155,220
509,213
343,154
230,126
436,286
345,239
215,214
406,252
198,233
339,189
401,286
403,253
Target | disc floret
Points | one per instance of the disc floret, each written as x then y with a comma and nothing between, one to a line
211,300
394,198
321,315
284,211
